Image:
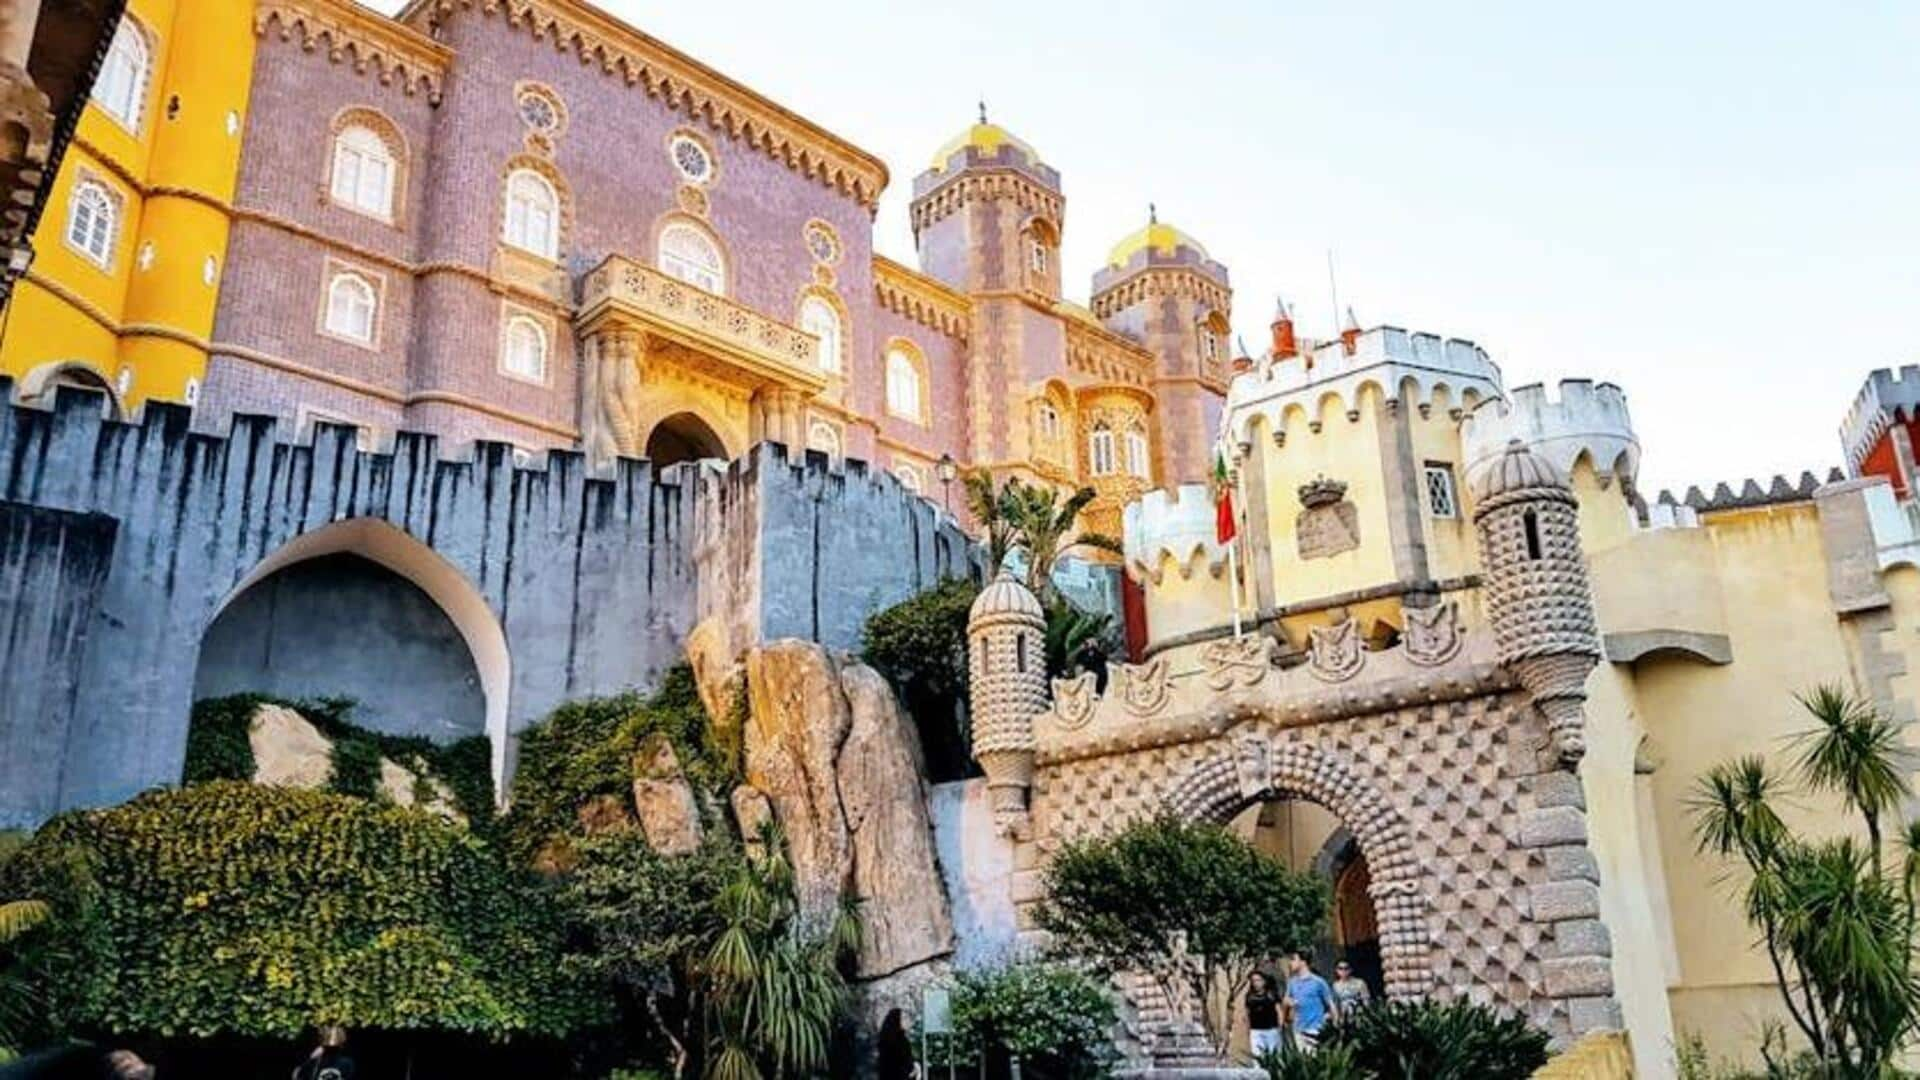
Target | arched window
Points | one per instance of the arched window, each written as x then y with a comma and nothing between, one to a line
693,257
523,348
1139,460
533,214
905,397
93,221
351,304
363,172
1036,255
818,317
1100,450
1047,419
909,477
822,437
121,89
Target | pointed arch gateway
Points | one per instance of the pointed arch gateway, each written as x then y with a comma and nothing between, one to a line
1254,768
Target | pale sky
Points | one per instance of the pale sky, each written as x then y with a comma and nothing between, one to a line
1715,205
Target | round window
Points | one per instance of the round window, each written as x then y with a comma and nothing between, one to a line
540,111
822,244
691,159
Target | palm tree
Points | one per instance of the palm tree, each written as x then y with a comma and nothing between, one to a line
1046,527
992,508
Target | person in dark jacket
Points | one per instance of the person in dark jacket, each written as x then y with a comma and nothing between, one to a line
329,1060
896,1048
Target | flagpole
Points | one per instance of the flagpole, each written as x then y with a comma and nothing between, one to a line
1233,582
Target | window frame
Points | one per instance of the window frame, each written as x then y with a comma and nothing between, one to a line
1429,472
551,250
832,358
335,275
382,154
1139,453
130,33
662,258
511,316
913,363
1102,455
817,426
109,206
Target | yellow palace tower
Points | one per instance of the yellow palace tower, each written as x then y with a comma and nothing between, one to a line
129,255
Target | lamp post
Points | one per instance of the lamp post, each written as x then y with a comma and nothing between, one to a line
946,470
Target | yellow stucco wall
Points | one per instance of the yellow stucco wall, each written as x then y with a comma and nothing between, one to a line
1344,450
150,315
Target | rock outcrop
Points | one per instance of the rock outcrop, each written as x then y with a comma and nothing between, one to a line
663,799
287,750
829,752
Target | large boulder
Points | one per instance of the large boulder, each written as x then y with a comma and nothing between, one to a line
903,907
753,812
663,799
717,670
798,719
287,750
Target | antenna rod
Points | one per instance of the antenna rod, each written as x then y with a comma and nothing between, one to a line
1333,286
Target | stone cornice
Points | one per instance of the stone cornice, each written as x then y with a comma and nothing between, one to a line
968,185
397,53
1105,355
910,294
686,84
1157,281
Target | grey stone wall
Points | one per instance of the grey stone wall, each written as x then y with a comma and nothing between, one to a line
591,584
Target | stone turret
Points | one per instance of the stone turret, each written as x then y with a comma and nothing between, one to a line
1007,680
1538,598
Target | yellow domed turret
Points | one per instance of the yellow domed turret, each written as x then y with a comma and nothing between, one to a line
1163,238
986,138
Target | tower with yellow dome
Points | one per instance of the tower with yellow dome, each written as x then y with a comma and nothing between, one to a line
129,255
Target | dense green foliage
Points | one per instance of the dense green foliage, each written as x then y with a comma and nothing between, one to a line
1078,640
218,749
230,908
1426,1040
1053,1017
25,948
1140,898
586,748
920,645
1329,1063
1836,922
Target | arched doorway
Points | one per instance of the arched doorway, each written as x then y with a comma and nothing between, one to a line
1304,836
683,437
361,609
43,382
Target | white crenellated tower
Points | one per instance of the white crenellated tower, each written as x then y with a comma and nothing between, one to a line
1586,433
1538,599
1007,682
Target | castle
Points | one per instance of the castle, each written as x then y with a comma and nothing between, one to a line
349,349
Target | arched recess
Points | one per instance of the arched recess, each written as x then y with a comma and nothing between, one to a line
684,436
382,543
42,382
1254,769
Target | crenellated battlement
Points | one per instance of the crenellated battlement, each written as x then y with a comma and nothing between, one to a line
1176,527
1404,367
1669,511
1585,419
1885,397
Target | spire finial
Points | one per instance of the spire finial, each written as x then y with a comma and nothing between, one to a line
1153,215
983,110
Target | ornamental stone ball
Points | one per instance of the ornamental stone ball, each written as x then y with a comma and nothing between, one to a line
1007,680
1538,598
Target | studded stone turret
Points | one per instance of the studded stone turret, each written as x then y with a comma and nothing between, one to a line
1007,680
1538,598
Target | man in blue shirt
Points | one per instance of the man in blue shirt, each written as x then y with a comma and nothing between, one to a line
1310,1001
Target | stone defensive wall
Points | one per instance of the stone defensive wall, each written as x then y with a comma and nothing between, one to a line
121,543
1414,368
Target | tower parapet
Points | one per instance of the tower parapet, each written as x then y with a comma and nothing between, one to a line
1587,418
1176,527
1388,357
1007,684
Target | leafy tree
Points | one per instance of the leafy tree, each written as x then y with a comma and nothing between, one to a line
1836,923
1077,640
1188,902
230,908
992,510
1046,527
22,951
920,645
1053,1017
1428,1040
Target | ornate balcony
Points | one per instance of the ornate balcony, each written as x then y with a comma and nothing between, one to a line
727,339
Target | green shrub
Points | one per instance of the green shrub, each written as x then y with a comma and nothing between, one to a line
1427,1040
585,748
229,908
1054,1018
920,645
1327,1063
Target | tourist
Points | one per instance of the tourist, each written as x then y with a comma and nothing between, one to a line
329,1060
1310,1001
896,1048
1263,1016
1350,991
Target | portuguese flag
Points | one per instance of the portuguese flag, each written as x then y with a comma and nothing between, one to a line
1223,520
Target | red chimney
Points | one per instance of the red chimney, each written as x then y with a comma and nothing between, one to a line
1284,345
1350,333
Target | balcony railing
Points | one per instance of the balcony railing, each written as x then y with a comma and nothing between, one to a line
765,348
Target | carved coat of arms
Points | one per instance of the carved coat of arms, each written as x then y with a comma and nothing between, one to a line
1333,652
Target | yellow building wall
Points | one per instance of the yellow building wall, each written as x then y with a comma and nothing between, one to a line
1452,546
1344,450
148,314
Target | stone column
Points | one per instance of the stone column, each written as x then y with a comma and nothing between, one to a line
1578,964
610,380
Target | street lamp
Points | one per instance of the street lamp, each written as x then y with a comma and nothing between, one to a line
946,470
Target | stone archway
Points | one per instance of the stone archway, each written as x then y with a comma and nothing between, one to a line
1254,769
684,436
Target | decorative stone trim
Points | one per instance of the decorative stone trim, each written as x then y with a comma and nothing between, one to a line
397,53
1254,769
683,83
983,184
1160,282
913,295
389,135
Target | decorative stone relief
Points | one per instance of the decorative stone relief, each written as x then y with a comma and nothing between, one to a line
1433,634
1143,687
1241,661
1333,652
1073,701
1329,524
